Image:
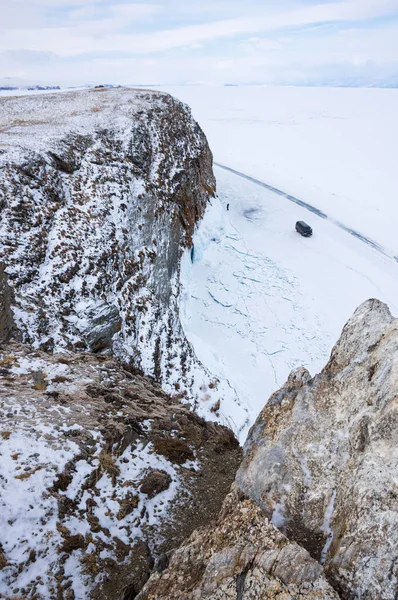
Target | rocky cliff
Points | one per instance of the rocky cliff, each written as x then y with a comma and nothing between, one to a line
6,300
101,471
314,509
240,557
322,459
100,192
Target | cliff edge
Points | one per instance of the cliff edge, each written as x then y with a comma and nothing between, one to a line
100,192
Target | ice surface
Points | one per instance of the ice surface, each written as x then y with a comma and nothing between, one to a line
335,148
260,299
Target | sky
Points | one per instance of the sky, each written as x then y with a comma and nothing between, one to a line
206,41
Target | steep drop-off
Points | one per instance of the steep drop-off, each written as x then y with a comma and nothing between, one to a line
100,192
322,458
101,471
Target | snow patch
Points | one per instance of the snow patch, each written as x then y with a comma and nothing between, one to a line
326,528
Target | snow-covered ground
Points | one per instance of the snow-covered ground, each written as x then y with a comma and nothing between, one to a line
55,452
260,299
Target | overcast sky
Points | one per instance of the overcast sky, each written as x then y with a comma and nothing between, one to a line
216,41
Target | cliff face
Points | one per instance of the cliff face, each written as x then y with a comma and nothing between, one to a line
322,459
6,316
100,191
101,471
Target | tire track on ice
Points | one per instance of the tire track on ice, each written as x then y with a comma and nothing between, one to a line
319,213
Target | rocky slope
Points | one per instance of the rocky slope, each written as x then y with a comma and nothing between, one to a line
322,459
241,557
314,509
100,191
101,473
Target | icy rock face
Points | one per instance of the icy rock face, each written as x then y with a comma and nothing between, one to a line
240,557
101,473
100,191
322,458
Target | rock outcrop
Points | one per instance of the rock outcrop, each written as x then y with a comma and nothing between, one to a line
240,557
100,192
314,508
322,459
101,474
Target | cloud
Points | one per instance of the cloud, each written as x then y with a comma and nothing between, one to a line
30,56
123,12
83,37
176,40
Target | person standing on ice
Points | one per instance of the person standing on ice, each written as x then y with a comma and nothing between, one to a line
227,206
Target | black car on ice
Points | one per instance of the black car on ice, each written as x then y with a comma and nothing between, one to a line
303,229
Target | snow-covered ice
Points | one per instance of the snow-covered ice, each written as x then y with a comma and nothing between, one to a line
335,148
259,299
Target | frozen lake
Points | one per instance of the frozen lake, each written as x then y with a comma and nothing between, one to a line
259,299
335,148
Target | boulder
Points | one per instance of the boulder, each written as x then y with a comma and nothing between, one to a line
155,482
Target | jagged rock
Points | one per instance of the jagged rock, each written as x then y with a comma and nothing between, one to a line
100,191
103,323
322,458
78,505
240,557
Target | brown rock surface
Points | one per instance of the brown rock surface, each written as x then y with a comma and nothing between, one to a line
155,482
239,557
